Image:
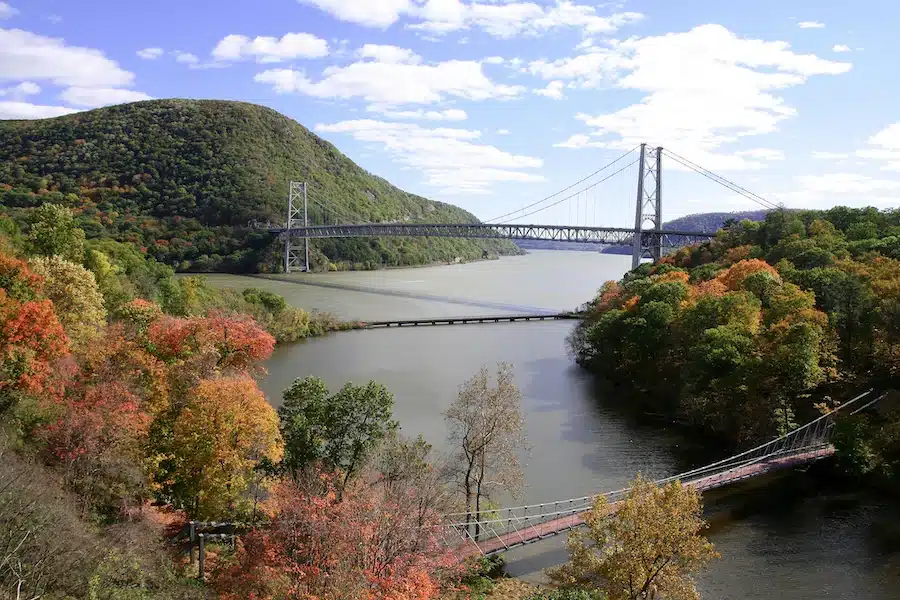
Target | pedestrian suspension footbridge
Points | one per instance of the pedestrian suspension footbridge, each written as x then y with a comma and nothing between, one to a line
503,529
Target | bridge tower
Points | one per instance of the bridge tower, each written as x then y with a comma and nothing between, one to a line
293,259
648,243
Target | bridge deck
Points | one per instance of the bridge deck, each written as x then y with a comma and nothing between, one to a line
471,320
533,533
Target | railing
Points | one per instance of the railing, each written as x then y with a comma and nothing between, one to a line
509,527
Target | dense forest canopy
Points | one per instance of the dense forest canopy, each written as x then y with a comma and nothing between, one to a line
745,334
183,178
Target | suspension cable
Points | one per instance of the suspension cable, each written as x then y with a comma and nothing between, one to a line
566,189
593,185
721,180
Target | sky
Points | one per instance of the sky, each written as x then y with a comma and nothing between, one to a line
496,104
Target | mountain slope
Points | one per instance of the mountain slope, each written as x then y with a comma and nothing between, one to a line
712,221
183,178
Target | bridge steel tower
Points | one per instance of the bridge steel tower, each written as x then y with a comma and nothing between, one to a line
648,243
293,259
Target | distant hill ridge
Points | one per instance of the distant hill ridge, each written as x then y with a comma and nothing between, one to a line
182,179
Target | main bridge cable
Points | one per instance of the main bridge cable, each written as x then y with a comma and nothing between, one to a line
566,189
570,196
721,180
350,217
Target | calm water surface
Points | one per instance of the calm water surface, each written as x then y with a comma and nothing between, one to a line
808,547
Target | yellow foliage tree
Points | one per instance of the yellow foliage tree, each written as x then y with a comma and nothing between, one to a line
645,546
219,438
75,295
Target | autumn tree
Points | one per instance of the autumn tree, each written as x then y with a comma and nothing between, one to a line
486,436
75,296
31,341
335,542
218,440
53,232
338,431
646,546
232,342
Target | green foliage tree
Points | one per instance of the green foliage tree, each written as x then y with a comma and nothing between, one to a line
337,430
52,232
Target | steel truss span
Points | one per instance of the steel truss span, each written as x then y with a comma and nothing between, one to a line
612,236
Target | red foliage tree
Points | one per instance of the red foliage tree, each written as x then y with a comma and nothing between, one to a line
237,340
365,545
31,340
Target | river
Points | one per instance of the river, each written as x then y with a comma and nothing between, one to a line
788,538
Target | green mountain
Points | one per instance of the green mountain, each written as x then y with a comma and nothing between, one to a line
185,178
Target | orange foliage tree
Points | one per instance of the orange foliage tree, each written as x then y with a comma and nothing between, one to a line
225,432
362,545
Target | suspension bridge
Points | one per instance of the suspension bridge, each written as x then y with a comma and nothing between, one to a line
500,530
647,239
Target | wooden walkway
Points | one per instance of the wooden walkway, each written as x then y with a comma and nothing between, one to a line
469,320
532,533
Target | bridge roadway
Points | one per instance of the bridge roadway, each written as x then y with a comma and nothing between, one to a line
613,236
532,533
470,320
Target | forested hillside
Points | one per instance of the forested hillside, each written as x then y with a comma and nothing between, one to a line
747,334
712,221
183,178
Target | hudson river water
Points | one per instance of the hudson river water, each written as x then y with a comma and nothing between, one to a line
789,538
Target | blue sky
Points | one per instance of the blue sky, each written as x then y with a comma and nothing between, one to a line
493,104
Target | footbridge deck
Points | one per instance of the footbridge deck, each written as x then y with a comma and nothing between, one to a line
503,529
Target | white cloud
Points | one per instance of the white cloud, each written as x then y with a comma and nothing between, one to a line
393,83
818,155
96,97
810,25
696,101
503,132
493,60
846,183
449,158
185,57
26,88
54,18
840,48
150,53
578,141
26,55
762,153
516,18
7,11
884,146
371,13
501,19
553,90
389,54
450,114
25,110
270,49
